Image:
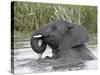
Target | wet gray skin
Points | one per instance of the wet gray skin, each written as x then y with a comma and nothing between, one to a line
60,36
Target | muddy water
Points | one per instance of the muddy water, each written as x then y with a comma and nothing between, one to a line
26,60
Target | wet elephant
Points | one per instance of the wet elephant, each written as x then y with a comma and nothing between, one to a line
60,36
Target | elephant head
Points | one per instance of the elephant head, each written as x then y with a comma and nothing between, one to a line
59,35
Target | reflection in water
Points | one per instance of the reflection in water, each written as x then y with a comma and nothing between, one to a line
25,61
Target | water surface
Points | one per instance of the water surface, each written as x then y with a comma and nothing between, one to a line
26,60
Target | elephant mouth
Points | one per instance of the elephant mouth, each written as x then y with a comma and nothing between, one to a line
40,42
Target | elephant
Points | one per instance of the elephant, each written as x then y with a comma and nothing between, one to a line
61,36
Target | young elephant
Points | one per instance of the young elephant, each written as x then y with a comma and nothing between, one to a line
60,36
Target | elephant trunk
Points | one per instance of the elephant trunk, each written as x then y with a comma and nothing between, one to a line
39,49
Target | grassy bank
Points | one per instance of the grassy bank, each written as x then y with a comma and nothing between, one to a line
29,16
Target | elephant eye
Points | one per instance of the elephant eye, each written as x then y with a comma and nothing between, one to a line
54,27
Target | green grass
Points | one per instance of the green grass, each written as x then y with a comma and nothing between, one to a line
29,16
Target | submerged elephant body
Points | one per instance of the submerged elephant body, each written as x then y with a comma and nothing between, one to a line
60,36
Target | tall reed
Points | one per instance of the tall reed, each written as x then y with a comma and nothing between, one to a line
30,16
